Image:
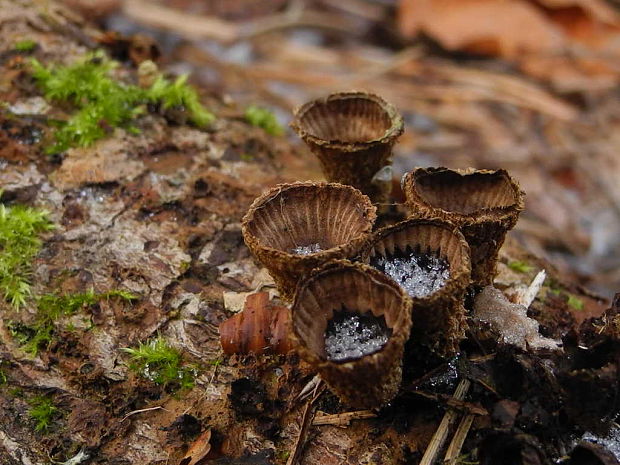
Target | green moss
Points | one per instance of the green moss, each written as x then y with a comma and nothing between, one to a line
179,94
263,118
26,45
20,228
572,300
43,410
103,103
16,392
50,308
520,266
161,363
575,302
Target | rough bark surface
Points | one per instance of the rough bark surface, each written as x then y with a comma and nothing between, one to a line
158,214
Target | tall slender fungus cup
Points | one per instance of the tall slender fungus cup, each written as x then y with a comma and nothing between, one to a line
429,259
350,323
293,228
484,204
352,134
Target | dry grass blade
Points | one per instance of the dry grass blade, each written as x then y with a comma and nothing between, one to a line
342,419
306,421
169,19
209,27
440,436
454,449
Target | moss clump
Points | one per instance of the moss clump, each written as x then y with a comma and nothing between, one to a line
575,302
161,363
263,118
520,266
571,300
103,103
20,228
25,46
50,308
43,410
179,94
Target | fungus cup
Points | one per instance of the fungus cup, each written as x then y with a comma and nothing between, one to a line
352,134
341,287
429,258
294,228
484,204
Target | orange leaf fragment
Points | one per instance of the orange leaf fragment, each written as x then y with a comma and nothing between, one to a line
259,328
198,450
506,28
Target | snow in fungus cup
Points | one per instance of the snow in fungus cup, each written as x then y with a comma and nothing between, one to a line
484,204
429,259
350,323
352,134
293,228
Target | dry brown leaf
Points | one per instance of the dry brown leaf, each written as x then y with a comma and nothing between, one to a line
571,43
597,9
198,450
259,328
591,61
482,26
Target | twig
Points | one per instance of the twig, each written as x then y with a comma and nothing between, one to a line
191,26
309,388
460,405
524,93
369,11
530,294
454,449
209,27
448,419
342,419
140,411
306,421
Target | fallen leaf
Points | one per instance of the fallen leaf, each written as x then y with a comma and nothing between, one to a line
259,328
198,450
571,43
482,26
597,9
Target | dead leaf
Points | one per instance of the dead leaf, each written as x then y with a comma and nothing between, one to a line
571,43
198,450
597,9
259,328
482,26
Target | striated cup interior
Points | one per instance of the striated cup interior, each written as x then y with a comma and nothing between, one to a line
351,289
422,255
348,117
465,193
307,218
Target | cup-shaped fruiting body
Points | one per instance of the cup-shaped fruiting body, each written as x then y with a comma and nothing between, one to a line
484,204
350,323
352,134
293,228
429,259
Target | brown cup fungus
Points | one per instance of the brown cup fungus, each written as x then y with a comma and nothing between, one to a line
294,228
429,259
484,204
350,323
352,134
